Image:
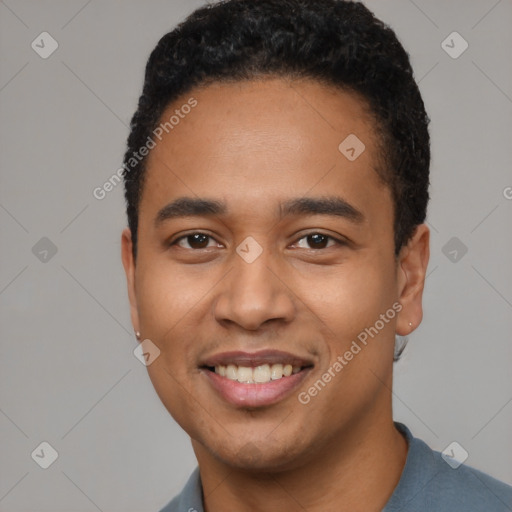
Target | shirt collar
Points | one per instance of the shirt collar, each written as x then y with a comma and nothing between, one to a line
191,498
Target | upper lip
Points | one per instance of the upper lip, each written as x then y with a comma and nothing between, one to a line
253,359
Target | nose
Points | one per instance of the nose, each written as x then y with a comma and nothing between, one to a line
253,294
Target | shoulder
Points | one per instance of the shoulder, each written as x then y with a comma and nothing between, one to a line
468,489
431,481
191,497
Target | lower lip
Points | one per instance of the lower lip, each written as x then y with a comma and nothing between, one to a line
255,395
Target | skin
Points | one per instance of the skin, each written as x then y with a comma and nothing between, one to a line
254,145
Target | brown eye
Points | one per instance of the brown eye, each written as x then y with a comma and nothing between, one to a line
194,241
318,241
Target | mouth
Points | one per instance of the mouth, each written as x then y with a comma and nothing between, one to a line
255,380
258,375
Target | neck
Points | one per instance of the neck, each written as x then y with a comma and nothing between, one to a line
368,455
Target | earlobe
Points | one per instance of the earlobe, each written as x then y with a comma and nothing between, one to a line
411,272
129,269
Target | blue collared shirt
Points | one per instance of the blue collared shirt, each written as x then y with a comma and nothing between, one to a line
427,484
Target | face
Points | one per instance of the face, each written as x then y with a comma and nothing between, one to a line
264,252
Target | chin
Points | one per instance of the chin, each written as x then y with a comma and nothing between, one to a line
260,454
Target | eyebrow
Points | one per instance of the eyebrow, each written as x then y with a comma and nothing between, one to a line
202,207
190,207
335,206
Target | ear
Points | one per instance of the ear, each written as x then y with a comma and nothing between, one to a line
412,268
129,268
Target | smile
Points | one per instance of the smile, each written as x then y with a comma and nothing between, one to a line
255,380
259,375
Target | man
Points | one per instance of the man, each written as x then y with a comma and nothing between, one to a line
276,180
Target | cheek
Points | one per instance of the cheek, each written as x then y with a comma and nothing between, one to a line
166,295
169,301
358,341
351,297
173,389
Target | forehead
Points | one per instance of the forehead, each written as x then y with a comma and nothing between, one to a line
256,142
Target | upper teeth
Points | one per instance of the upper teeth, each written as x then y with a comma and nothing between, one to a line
258,375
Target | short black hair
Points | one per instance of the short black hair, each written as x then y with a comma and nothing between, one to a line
335,42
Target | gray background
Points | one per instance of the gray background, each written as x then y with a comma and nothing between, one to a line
68,374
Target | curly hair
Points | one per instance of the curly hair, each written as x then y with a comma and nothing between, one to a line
335,42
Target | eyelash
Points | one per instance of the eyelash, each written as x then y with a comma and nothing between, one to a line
329,237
